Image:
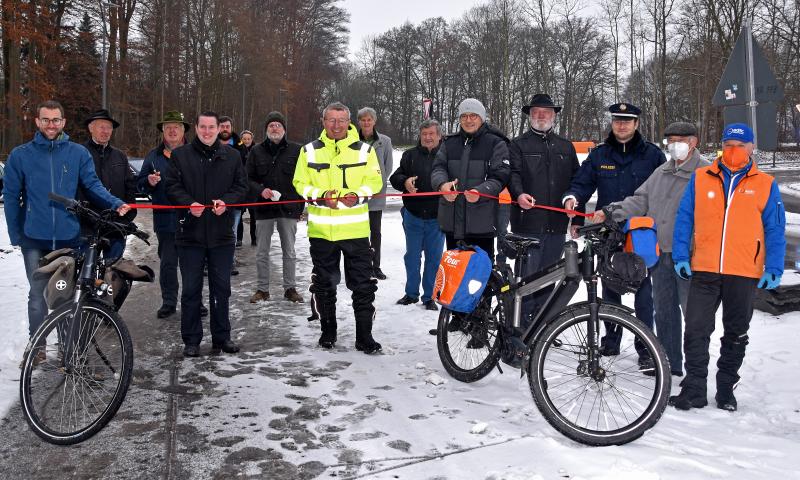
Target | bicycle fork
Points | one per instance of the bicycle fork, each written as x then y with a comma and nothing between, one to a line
593,367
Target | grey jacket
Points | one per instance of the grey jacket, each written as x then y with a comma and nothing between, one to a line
660,195
384,151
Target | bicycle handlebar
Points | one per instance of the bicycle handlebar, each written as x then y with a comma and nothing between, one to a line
99,219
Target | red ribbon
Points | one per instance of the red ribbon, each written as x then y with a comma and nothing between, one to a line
380,195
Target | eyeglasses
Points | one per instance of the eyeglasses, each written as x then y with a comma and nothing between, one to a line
336,121
469,116
55,121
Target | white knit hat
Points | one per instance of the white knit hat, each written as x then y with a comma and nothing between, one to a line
472,105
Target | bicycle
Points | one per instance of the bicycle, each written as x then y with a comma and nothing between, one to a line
77,366
593,399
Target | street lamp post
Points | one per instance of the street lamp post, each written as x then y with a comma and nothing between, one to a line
244,82
105,55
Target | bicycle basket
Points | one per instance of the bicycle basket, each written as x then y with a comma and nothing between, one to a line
623,272
61,283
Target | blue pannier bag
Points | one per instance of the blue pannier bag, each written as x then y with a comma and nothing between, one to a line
641,238
462,276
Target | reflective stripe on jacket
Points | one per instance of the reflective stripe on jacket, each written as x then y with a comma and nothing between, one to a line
347,166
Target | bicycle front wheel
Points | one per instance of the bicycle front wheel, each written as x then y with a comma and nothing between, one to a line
66,401
612,404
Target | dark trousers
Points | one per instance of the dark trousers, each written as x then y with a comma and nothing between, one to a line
501,225
551,247
375,237
642,305
219,261
240,227
706,292
670,294
326,257
168,268
486,243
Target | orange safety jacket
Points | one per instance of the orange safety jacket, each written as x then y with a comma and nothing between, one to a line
729,235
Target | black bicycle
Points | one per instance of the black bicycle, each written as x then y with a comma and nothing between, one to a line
77,367
592,399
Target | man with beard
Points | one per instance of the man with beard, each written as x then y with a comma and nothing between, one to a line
270,170
206,173
48,163
615,169
111,166
542,166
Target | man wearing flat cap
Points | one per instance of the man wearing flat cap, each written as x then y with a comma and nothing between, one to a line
659,197
173,129
542,166
111,165
615,169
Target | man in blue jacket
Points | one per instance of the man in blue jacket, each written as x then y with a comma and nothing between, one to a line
615,169
48,163
173,128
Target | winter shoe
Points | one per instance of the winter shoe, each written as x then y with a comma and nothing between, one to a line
378,273
433,331
364,341
328,337
227,346
191,351
608,350
292,295
647,366
725,399
203,311
406,300
259,296
456,323
165,311
431,305
234,272
688,398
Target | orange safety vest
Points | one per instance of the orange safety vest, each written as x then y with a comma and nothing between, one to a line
729,238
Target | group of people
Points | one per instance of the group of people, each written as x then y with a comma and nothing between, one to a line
720,225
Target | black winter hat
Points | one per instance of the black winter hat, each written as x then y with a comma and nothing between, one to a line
275,117
680,129
541,100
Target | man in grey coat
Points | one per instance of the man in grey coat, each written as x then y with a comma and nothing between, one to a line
659,197
383,148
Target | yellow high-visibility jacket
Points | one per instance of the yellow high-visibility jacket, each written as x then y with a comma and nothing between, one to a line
348,165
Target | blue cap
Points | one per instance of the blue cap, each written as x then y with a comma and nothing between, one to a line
626,110
738,131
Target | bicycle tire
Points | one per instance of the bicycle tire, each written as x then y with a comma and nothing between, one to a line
67,407
627,387
457,343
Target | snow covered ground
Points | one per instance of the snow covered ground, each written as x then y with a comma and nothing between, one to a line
397,422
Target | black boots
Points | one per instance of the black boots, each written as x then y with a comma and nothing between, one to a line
688,398
328,337
725,399
364,341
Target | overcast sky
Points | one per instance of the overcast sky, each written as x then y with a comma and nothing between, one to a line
369,17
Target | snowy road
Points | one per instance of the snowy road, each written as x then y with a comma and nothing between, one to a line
284,408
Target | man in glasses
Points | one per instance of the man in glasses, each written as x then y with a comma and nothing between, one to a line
48,163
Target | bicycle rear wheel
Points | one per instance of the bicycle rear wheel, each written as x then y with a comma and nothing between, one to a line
68,402
469,344
612,405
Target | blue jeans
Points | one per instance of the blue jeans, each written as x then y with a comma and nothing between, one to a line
191,261
115,248
37,307
422,236
670,294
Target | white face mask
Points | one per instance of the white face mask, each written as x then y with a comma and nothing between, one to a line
678,150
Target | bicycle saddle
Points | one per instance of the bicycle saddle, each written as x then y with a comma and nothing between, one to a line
514,244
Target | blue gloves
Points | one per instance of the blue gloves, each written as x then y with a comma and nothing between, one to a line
769,281
683,270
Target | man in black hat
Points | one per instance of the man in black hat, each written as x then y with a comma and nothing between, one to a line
111,165
542,166
615,169
173,129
